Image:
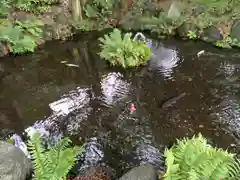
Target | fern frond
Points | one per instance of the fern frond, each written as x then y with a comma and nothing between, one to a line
234,170
55,163
194,159
37,151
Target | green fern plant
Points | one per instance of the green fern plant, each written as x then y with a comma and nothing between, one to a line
31,26
123,51
53,164
16,40
194,159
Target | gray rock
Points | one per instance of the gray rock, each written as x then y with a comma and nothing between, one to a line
14,165
211,34
144,172
174,10
185,28
235,30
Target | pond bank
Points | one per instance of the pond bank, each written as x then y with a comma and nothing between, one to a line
215,22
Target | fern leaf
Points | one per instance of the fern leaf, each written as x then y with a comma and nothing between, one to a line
194,159
234,170
39,160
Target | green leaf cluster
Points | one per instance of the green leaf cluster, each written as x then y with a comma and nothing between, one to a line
20,37
98,8
123,51
35,6
55,163
194,159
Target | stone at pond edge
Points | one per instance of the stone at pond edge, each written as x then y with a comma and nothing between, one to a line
95,173
14,165
211,34
235,30
183,30
175,10
143,172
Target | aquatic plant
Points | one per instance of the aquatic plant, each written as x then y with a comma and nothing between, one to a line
123,51
54,163
195,159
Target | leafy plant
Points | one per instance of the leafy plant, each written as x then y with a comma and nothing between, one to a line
194,159
31,26
192,35
98,8
123,51
55,163
35,6
16,40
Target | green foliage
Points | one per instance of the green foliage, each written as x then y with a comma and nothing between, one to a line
192,35
20,37
4,6
216,6
35,6
15,39
55,163
123,51
98,8
31,26
194,159
228,43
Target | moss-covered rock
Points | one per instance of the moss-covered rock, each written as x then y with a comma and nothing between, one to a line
184,29
235,30
211,34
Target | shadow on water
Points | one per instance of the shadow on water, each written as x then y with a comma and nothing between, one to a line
76,94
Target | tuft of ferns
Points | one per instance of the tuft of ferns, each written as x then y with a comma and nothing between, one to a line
122,50
194,159
52,164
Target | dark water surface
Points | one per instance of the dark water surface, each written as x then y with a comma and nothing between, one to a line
207,86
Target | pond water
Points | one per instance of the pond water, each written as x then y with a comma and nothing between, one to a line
98,99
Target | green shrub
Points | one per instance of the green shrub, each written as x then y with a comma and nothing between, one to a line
98,8
123,51
55,163
35,6
30,26
18,38
194,159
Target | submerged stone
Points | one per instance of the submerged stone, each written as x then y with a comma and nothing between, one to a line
144,172
14,165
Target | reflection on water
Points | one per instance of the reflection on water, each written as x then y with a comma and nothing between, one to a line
164,59
90,103
228,68
73,100
114,88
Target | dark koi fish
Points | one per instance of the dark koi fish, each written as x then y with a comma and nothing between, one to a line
172,101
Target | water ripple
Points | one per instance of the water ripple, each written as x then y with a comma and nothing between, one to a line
114,88
164,60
